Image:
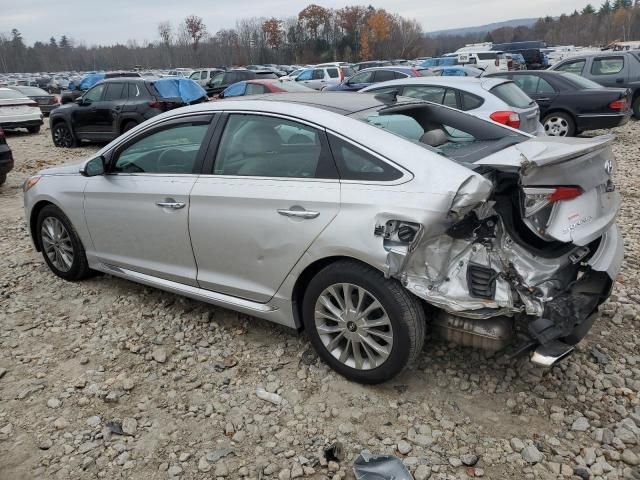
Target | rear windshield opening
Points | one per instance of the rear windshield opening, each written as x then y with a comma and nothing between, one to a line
450,133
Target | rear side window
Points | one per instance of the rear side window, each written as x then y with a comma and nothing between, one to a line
577,66
511,94
398,75
607,66
333,72
254,89
383,76
430,94
470,101
318,75
487,56
114,92
355,164
450,99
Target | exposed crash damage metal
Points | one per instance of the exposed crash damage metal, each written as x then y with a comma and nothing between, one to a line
484,270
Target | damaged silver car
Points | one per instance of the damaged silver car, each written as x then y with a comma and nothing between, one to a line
364,220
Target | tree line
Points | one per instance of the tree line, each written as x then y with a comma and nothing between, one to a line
316,34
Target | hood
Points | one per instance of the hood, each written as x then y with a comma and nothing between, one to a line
66,169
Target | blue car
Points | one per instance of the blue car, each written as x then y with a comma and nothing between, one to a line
369,76
457,71
439,62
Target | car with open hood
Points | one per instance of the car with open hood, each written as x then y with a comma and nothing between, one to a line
362,220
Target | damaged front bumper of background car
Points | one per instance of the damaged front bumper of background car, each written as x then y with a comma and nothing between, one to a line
492,290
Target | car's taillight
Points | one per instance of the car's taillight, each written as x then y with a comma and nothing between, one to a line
510,119
1,133
55,100
620,104
164,106
536,198
341,75
416,73
32,104
497,62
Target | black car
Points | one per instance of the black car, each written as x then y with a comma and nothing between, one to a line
45,100
108,109
6,158
222,80
570,104
530,50
69,96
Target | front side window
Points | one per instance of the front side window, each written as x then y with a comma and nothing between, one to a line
306,75
95,94
195,76
263,146
217,80
577,66
203,75
607,66
171,150
355,164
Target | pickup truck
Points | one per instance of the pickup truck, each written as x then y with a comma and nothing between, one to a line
609,69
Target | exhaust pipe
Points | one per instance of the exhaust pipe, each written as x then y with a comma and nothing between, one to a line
551,353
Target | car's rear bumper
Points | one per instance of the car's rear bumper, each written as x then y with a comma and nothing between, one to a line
6,159
602,121
8,125
48,108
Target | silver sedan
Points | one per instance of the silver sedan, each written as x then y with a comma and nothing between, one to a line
362,219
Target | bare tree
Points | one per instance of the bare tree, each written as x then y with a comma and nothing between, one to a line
196,29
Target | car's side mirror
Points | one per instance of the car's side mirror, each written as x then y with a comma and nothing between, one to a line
94,167
81,101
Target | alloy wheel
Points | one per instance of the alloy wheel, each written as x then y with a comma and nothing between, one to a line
62,136
556,126
353,326
56,243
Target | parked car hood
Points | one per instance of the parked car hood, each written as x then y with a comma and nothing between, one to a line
66,169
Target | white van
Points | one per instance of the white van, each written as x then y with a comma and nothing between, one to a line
489,61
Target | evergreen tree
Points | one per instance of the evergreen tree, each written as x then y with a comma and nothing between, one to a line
64,42
605,8
53,42
588,10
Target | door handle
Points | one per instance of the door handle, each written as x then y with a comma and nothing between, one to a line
298,213
619,80
171,205
545,99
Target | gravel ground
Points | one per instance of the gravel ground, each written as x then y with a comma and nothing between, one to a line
110,379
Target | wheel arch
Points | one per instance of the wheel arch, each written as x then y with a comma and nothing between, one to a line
564,110
305,277
33,221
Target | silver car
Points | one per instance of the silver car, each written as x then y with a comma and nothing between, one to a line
362,220
497,99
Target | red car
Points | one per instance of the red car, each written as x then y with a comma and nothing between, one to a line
259,87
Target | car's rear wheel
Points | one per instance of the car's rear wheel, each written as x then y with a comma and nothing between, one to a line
35,129
63,136
559,124
636,107
61,246
3,178
366,327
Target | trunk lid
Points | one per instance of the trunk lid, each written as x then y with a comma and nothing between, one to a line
566,188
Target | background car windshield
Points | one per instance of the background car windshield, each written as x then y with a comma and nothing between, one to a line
32,91
10,95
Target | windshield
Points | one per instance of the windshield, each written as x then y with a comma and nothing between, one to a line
580,81
448,132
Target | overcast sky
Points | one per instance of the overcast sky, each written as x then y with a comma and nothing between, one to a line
112,21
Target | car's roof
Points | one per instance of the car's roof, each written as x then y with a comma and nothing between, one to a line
582,56
470,83
394,68
336,102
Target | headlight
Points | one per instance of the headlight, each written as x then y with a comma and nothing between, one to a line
30,182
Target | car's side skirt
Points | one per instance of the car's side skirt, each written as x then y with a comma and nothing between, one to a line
261,310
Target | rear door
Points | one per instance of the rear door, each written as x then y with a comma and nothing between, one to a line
538,89
609,71
272,192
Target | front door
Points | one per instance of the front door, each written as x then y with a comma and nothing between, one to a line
273,191
84,115
138,213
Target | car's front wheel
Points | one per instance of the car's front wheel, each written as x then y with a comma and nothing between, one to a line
366,327
62,135
61,246
35,129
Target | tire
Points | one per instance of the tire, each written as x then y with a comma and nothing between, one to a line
3,178
66,257
128,126
63,136
636,108
404,322
559,124
35,129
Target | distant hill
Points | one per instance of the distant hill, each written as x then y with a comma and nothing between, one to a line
527,22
